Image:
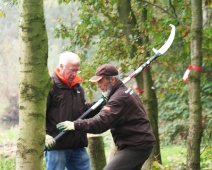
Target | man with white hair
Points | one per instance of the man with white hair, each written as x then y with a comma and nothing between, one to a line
66,102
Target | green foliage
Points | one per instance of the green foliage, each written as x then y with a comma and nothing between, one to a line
7,163
99,37
101,31
206,158
173,110
10,2
171,90
9,135
206,97
4,4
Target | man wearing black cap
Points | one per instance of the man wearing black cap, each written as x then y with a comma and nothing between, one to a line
125,116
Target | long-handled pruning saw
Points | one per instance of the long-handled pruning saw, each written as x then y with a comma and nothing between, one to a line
159,52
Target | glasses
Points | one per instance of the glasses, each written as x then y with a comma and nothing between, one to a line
73,71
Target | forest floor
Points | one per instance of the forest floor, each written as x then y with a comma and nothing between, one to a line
173,157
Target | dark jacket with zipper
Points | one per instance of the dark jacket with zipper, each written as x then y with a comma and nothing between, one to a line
66,104
125,116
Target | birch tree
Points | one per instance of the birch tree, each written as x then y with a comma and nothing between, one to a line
33,86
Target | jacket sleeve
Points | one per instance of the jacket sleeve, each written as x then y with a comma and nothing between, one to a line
48,105
110,116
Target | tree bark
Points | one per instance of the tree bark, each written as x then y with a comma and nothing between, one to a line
195,106
34,85
128,19
96,152
149,98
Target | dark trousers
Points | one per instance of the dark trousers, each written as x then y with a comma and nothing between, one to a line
127,159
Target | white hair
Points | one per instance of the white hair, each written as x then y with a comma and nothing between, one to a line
116,77
68,57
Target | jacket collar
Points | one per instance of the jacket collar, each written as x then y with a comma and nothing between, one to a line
59,83
118,84
60,79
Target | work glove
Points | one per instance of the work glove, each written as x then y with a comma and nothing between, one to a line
104,101
49,142
65,126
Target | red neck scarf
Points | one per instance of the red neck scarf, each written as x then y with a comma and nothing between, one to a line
76,80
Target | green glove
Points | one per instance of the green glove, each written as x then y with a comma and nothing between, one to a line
104,101
65,126
49,142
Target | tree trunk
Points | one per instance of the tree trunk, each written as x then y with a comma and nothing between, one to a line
34,85
96,152
195,106
128,19
149,95
206,13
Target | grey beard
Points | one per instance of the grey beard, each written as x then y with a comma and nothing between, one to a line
107,93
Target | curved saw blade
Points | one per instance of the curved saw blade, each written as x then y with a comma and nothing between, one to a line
168,43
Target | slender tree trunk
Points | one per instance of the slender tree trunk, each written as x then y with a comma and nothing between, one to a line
34,85
149,96
128,19
195,106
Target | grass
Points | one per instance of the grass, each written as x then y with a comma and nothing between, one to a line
8,148
173,156
9,135
7,163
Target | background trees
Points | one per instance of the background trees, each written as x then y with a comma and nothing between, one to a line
99,36
116,28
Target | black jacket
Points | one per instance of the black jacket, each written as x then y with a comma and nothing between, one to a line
125,116
65,103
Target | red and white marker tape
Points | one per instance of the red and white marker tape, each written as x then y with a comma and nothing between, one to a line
185,76
139,90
